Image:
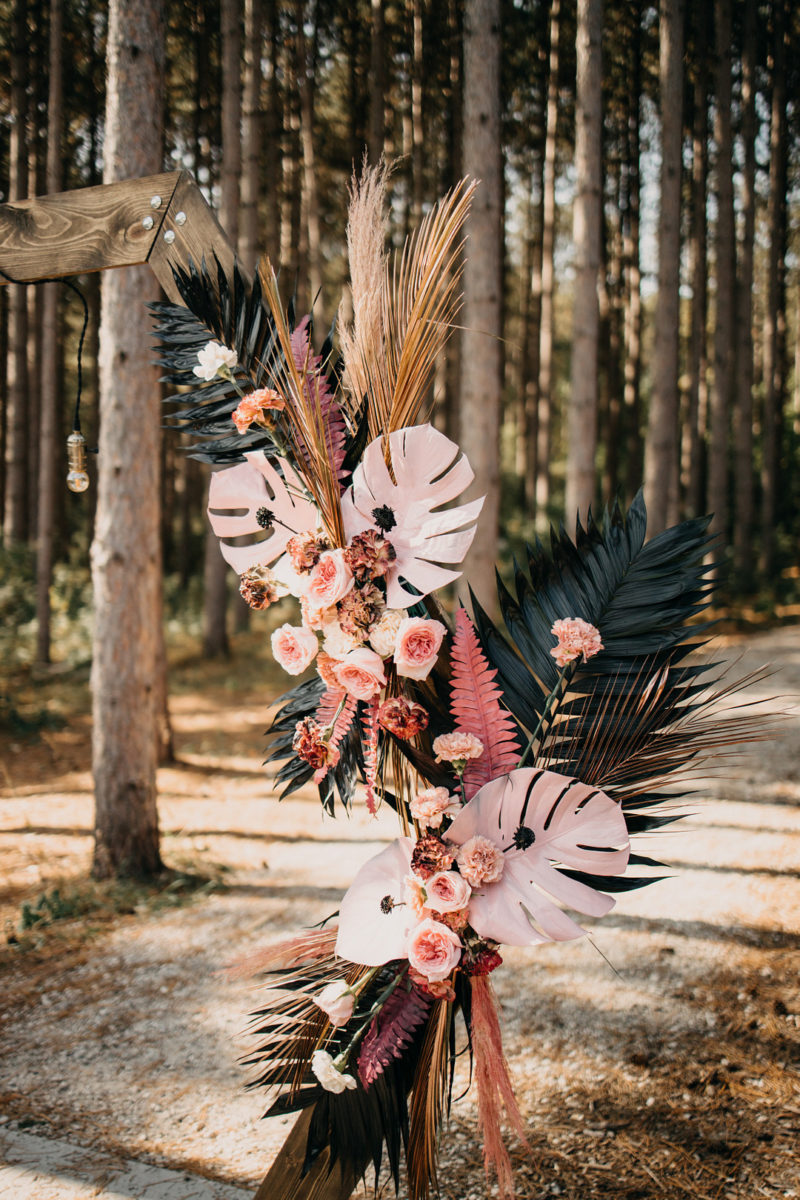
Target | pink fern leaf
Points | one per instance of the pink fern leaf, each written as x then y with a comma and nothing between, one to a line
391,1031
476,707
370,746
325,715
316,386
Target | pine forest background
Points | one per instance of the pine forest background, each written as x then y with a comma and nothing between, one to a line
673,202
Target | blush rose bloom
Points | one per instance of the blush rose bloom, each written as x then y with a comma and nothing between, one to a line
575,638
294,648
417,646
360,673
336,1001
447,892
383,636
480,861
429,806
330,580
433,950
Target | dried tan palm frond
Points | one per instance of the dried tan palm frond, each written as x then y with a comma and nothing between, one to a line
308,430
428,1101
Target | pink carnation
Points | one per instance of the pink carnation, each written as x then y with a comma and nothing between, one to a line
417,646
433,950
447,891
330,580
429,806
253,406
294,648
457,747
360,673
480,861
575,638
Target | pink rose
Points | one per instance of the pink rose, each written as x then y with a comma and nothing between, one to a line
360,673
433,950
417,646
294,648
336,1001
429,806
480,861
575,638
447,892
330,579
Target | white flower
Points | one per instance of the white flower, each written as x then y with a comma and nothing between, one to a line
212,358
336,1001
384,635
328,1074
337,643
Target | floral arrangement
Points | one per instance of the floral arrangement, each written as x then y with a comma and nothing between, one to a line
519,765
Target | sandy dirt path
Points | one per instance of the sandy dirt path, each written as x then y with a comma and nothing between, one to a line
659,1059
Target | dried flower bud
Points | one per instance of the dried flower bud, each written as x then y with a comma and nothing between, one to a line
404,718
259,587
430,855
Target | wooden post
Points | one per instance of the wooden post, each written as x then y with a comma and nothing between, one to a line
162,220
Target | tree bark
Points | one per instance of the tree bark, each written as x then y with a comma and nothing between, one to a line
126,552
724,329
743,410
582,406
632,321
481,363
248,233
546,325
774,316
697,408
417,132
15,526
306,61
49,393
377,89
661,449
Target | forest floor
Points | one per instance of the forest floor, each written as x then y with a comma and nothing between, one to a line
657,1060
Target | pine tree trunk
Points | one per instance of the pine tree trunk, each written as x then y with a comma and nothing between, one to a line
417,132
481,363
546,325
49,422
532,314
248,239
15,525
724,330
126,553
306,58
774,316
632,321
661,450
743,411
377,81
582,406
697,408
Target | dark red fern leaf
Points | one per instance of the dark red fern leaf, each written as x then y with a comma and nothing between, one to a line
369,722
476,707
316,386
391,1031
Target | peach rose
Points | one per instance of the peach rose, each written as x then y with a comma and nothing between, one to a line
330,579
429,806
294,648
360,673
417,646
480,861
447,892
433,950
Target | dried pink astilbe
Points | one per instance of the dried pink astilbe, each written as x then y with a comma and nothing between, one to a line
575,638
493,1084
477,709
369,722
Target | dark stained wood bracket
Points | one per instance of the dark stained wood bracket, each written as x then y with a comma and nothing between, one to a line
161,220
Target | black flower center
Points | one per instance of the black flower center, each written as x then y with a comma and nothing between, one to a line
384,518
524,837
387,904
265,518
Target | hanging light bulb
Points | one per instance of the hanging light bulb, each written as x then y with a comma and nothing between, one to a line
77,478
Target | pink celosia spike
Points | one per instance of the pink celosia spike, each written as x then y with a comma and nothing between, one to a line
493,1083
370,746
476,708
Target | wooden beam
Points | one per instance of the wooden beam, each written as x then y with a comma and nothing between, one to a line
189,229
89,229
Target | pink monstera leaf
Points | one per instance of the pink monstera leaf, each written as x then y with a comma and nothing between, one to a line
373,920
537,819
252,485
428,473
